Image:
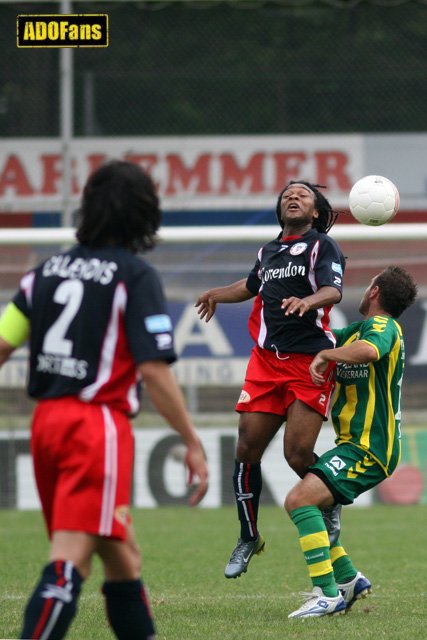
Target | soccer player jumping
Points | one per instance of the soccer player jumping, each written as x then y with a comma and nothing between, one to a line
295,281
366,416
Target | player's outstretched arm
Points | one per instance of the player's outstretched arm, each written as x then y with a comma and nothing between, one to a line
167,397
207,301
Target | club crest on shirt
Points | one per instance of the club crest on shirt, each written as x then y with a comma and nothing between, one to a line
298,248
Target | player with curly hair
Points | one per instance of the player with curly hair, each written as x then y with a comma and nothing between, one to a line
370,358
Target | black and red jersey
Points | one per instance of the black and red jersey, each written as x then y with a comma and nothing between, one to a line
95,314
296,266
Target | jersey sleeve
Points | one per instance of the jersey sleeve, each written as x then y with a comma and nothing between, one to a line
148,324
253,283
23,297
380,332
330,265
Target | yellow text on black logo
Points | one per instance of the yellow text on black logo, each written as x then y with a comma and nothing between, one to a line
61,30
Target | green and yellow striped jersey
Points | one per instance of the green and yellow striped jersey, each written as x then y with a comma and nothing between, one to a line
366,408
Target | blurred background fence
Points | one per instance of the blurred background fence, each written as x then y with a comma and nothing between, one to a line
223,102
236,67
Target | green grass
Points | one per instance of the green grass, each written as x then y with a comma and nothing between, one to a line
185,552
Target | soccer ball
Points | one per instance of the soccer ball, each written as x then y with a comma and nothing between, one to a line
374,200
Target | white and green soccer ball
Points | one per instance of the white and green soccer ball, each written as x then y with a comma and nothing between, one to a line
374,200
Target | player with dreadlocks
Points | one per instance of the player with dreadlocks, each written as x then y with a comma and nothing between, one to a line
295,281
327,216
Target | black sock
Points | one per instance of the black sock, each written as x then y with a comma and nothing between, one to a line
53,603
129,610
247,481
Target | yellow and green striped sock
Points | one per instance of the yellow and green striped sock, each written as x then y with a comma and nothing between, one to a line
344,570
314,543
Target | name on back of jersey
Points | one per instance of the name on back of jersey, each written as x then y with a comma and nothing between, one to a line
63,366
64,266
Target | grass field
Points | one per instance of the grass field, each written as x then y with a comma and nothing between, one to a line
185,552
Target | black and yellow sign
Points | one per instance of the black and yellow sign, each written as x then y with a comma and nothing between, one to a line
62,30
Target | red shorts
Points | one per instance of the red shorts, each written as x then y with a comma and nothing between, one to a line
83,463
273,382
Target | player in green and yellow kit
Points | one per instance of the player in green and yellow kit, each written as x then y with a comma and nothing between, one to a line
370,357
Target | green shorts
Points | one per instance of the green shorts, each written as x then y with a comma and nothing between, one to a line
348,471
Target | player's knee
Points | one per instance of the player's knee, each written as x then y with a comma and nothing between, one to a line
294,459
299,460
248,449
122,561
244,452
295,498
133,559
288,504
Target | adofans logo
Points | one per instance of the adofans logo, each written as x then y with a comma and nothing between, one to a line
53,30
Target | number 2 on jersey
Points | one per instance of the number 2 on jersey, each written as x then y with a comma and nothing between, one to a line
70,294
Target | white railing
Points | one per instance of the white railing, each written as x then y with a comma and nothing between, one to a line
207,234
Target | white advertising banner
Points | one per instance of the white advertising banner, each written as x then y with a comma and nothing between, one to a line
159,474
193,172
